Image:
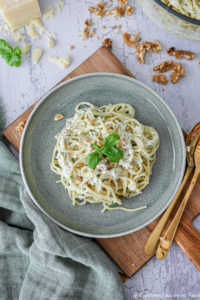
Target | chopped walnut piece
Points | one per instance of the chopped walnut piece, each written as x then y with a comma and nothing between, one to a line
78,179
123,2
107,43
118,12
58,117
92,31
84,33
99,144
160,78
100,5
129,11
178,54
91,8
170,51
80,165
138,38
129,39
140,53
88,22
164,66
20,126
147,46
177,72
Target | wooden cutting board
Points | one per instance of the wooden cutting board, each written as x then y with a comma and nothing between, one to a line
128,251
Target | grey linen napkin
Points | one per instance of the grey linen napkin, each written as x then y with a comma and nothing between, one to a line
39,260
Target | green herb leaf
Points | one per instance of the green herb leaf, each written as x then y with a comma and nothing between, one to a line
11,56
98,148
112,204
92,160
111,140
113,154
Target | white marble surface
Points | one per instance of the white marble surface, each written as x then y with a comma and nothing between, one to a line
175,277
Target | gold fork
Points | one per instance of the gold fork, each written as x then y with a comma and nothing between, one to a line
168,237
191,142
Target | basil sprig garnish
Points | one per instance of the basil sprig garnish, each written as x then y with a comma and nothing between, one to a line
113,153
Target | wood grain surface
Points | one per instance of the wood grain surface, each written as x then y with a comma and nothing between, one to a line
128,251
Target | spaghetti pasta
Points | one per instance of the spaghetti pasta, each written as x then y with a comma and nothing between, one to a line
108,180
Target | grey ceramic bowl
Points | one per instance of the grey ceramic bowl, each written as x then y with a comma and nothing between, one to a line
38,142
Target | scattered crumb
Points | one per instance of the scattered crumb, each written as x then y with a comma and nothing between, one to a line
129,11
163,89
98,37
84,33
100,5
87,22
20,126
107,43
92,32
103,27
118,12
71,47
160,78
58,117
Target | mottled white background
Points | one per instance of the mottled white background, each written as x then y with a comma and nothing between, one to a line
175,277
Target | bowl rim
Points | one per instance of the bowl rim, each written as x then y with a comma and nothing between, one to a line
21,152
177,14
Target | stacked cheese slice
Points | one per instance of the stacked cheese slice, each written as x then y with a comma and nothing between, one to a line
20,12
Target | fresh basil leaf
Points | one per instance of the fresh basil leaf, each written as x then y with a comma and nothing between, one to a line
111,140
100,150
17,51
113,154
92,160
11,56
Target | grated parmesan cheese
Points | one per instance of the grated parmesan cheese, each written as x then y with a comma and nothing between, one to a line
49,14
37,53
25,48
63,62
32,32
51,42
